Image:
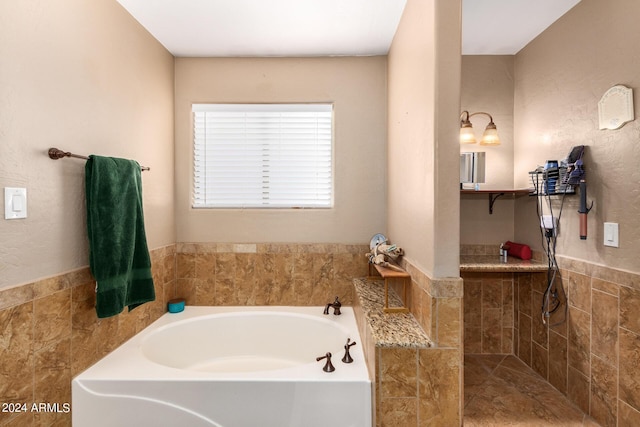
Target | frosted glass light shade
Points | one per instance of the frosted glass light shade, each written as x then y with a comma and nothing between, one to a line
490,136
466,135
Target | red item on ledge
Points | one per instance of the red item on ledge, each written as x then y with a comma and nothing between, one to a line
518,250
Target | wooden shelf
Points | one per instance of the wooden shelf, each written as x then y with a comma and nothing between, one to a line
494,194
389,274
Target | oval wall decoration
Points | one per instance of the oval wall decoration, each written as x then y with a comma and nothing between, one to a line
616,107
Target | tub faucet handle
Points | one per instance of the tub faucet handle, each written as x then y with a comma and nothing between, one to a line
336,307
328,367
347,357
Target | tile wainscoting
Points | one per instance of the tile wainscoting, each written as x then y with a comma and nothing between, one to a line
49,332
268,274
415,385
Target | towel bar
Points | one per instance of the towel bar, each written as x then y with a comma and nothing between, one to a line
55,154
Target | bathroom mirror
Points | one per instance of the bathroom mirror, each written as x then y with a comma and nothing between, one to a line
472,168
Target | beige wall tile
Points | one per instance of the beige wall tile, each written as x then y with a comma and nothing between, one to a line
472,340
23,419
604,392
578,389
16,356
398,372
524,294
450,322
16,296
627,416
204,265
605,286
205,291
604,327
46,287
579,340
52,319
629,308
580,291
558,361
507,340
186,288
52,379
558,321
492,292
507,303
393,412
539,330
524,338
225,291
540,360
491,331
473,302
629,375
620,277
440,393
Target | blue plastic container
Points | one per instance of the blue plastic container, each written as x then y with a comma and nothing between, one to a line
176,305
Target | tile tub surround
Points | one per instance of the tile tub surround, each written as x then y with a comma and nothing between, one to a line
417,382
268,274
49,332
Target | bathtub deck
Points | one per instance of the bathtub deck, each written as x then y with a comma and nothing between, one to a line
388,329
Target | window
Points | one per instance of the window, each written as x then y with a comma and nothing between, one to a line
263,155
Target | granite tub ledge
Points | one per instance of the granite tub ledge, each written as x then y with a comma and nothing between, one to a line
492,264
388,329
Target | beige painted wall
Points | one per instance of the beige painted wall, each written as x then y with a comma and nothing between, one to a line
487,85
85,77
424,85
356,86
560,77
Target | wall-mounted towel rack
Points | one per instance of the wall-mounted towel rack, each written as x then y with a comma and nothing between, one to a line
55,154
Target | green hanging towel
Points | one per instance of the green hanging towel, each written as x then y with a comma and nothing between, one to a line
118,253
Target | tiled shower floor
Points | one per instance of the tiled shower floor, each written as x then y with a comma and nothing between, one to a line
501,390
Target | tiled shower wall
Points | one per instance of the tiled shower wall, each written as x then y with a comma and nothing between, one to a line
488,313
594,356
49,333
590,352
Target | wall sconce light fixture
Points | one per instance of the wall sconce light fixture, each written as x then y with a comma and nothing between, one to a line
467,136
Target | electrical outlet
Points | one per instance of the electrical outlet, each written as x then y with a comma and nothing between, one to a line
549,222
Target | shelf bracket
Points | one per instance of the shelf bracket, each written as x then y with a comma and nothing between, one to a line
492,200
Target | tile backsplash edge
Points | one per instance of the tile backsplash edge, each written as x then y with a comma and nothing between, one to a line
22,293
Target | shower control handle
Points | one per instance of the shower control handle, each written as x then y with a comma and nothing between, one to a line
328,367
347,357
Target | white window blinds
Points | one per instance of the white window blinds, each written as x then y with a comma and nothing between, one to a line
262,155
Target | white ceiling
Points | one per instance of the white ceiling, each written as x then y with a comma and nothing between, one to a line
503,27
220,28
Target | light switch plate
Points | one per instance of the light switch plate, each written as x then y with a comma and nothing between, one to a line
15,203
611,234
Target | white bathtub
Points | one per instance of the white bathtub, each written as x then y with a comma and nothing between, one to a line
230,367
